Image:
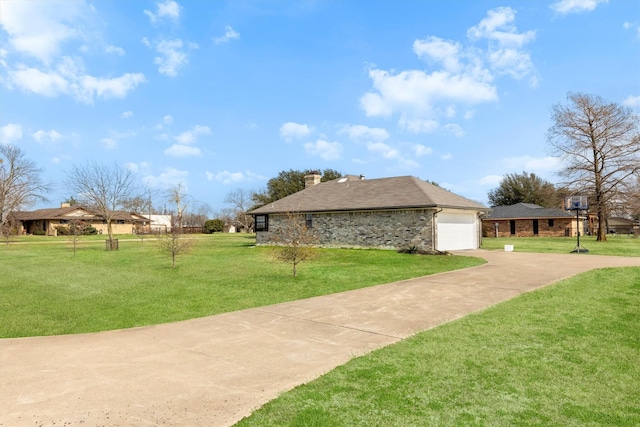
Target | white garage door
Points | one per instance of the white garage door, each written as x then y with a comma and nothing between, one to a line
457,231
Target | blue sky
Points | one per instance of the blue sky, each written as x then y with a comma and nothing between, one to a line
223,95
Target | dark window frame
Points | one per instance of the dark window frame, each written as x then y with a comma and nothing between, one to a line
308,220
261,222
551,222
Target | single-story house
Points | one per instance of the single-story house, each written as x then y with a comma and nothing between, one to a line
528,219
160,223
392,213
47,220
620,225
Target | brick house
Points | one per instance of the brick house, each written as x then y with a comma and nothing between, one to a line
47,220
527,219
390,213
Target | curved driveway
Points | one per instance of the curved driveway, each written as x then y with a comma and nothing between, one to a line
213,371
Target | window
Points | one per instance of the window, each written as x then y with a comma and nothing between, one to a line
262,222
512,226
535,227
309,220
551,223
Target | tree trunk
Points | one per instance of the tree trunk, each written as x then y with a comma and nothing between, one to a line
602,229
110,233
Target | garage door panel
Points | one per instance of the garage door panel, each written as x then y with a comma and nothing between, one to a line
457,231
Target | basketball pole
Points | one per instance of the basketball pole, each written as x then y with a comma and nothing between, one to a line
579,248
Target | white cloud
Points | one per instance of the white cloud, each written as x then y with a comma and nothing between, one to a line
168,178
446,156
190,136
421,150
415,92
532,164
294,131
38,29
41,83
68,80
51,136
360,133
418,125
564,7
324,149
454,129
111,142
42,30
227,177
498,26
489,180
460,74
632,101
173,57
167,9
390,153
116,87
443,51
126,114
116,50
10,133
180,150
229,34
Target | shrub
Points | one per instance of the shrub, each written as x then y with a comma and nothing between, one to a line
39,233
89,230
213,225
62,230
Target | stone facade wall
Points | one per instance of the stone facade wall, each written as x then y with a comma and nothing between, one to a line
524,228
392,229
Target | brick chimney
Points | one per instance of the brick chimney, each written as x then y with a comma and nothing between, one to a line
65,205
312,179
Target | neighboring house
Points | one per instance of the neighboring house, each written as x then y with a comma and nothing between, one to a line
47,220
160,223
527,219
622,225
394,213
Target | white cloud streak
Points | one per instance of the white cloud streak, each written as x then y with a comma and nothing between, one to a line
565,7
291,131
168,9
229,34
324,149
10,133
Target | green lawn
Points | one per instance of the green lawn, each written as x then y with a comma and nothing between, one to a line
44,290
565,355
623,245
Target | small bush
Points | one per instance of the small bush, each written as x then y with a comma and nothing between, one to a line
213,225
89,230
39,233
62,230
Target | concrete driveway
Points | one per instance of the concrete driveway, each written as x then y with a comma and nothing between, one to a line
213,371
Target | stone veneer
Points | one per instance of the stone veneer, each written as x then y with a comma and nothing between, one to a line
388,229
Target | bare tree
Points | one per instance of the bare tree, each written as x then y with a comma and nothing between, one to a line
20,184
177,195
175,243
105,189
599,144
241,201
295,240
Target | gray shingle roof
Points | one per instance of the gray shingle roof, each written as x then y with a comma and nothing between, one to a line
527,211
352,193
